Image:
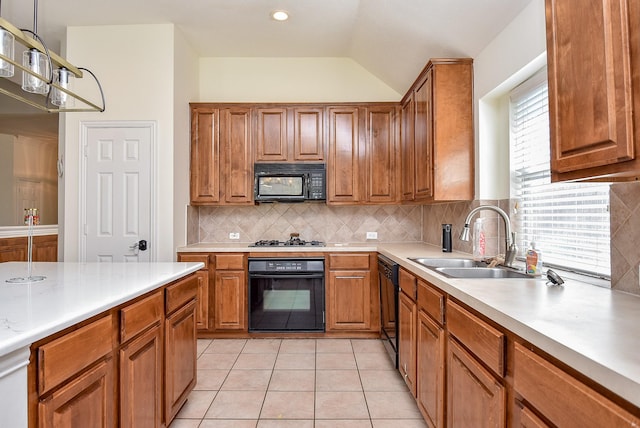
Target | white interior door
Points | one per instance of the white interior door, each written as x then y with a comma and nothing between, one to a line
117,192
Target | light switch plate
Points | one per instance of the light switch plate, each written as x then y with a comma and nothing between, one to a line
234,235
372,235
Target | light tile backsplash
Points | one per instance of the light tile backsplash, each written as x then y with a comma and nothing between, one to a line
333,224
336,224
625,236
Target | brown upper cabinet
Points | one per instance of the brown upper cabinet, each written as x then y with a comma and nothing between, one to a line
286,134
594,89
437,137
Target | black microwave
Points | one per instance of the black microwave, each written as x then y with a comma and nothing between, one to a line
289,182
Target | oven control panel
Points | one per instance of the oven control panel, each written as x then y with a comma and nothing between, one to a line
300,265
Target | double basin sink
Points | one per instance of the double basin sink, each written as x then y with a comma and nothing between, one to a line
467,268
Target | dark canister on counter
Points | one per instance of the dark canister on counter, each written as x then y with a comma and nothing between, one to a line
446,238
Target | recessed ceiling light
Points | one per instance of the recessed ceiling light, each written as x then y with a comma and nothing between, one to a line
280,15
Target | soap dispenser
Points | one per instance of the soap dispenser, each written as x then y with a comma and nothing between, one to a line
534,260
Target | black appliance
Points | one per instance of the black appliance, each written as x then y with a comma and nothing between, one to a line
289,182
294,241
286,294
389,289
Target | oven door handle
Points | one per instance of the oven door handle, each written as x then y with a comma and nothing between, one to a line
285,275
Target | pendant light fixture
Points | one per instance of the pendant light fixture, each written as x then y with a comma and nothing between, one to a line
46,77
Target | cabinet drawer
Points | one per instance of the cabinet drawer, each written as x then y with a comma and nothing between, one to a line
572,402
349,261
487,343
407,283
431,301
64,357
204,258
181,292
139,316
229,261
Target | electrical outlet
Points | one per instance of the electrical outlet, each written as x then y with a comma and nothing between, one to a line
372,235
234,235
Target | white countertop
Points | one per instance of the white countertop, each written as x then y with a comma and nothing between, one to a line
592,329
71,293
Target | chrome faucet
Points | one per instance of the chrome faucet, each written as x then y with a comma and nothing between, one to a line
510,241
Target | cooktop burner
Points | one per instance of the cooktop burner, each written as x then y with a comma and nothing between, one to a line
293,242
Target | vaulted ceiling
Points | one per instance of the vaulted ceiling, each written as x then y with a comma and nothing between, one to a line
392,39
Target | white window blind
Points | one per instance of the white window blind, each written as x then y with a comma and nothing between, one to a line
569,222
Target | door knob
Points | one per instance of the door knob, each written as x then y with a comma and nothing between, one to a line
141,245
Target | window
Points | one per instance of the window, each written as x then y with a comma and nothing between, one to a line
569,222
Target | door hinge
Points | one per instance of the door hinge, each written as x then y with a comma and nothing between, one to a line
86,229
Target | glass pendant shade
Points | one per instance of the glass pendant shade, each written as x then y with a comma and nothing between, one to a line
38,63
6,49
63,78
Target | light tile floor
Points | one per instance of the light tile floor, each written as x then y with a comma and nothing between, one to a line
301,383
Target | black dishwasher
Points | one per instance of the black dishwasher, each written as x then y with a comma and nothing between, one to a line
389,288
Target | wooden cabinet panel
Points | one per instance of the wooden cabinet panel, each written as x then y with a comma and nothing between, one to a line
408,284
349,295
141,381
430,370
475,397
423,139
141,315
205,156
590,84
87,401
572,404
437,133
45,249
229,261
181,293
271,134
349,261
431,301
407,147
230,312
382,158
487,343
407,314
525,418
62,358
180,358
237,161
202,309
308,142
343,178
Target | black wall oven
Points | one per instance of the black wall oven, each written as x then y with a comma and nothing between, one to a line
286,294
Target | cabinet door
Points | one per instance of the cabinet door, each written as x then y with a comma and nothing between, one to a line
230,296
308,141
382,172
590,84
423,144
45,248
205,156
430,370
271,134
475,397
407,341
237,160
344,152
86,401
141,381
525,418
180,358
407,142
202,308
349,300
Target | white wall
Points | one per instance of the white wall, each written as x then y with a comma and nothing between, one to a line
515,54
185,91
290,80
135,64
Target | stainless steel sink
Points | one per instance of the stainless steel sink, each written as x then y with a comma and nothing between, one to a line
480,272
448,263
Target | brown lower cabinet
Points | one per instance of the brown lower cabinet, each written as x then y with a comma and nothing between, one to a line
120,368
45,249
472,372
